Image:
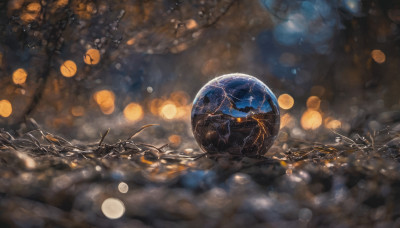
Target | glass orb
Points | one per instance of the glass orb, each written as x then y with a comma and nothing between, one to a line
235,114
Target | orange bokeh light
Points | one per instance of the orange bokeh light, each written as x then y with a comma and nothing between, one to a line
378,56
34,7
179,98
333,124
168,111
105,99
285,101
92,57
155,106
175,140
19,76
286,119
313,102
77,111
311,120
133,112
68,68
31,13
5,108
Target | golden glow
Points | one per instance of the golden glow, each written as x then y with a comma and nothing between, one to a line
62,3
28,17
19,76
378,56
84,9
183,112
286,119
313,102
131,41
31,13
92,57
169,111
211,66
179,98
133,112
333,124
175,107
113,208
77,111
175,140
239,120
285,101
191,24
5,108
145,161
155,106
68,68
105,99
33,7
311,120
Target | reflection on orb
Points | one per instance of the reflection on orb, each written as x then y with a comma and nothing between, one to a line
68,68
235,114
19,76
113,208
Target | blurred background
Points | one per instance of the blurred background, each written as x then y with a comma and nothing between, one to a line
79,67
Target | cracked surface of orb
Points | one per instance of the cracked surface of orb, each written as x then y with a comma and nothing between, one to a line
235,114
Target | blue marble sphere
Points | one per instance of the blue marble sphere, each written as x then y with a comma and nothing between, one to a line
235,114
